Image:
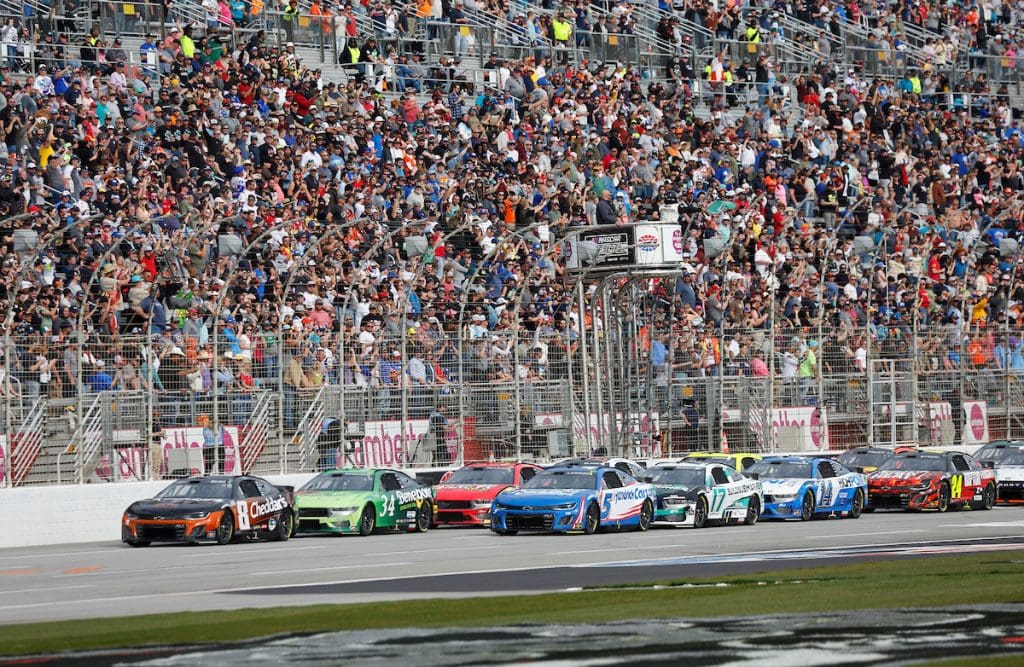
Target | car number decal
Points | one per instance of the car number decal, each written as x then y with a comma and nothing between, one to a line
242,514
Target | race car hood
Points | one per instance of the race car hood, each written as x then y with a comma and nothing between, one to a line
1010,473
903,477
469,491
174,508
678,490
539,497
317,499
782,486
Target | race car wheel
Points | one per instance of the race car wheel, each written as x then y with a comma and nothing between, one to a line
592,520
424,517
700,514
753,511
857,507
988,498
943,498
226,528
646,512
285,528
367,521
807,507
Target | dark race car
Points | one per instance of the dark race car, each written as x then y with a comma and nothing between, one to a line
211,509
865,459
926,480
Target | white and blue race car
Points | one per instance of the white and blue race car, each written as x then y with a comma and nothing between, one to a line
798,487
574,498
696,494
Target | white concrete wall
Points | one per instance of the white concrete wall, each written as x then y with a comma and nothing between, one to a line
40,515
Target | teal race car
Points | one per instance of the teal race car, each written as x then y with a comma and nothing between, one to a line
360,500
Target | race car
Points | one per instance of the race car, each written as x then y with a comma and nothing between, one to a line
799,487
464,496
360,500
738,461
625,465
932,480
693,494
218,508
579,498
865,459
1007,458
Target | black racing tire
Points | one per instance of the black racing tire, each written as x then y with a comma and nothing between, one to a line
592,519
753,511
857,507
646,516
367,520
285,527
988,497
807,507
943,498
700,514
226,528
139,543
424,517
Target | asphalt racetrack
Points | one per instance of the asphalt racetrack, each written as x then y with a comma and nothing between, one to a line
110,579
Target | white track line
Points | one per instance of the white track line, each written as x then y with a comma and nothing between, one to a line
228,551
324,569
883,532
40,590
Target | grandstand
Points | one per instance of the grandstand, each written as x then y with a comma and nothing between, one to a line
220,217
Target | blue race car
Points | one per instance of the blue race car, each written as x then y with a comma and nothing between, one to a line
574,498
798,487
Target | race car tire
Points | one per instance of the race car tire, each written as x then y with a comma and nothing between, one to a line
592,519
367,520
988,498
424,517
807,507
285,528
857,506
646,514
753,512
140,543
700,514
226,528
943,504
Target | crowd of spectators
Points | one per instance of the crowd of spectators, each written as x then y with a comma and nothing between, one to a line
223,216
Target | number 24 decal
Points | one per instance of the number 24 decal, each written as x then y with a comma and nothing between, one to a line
956,486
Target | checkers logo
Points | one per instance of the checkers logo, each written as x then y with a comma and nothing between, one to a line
648,243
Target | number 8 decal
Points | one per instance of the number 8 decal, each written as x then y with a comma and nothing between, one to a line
956,486
242,512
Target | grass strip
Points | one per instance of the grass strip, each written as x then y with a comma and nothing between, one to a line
926,582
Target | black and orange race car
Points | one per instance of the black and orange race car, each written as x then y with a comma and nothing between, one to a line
211,509
927,480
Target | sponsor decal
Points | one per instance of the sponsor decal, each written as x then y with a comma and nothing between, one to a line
412,496
258,509
648,243
677,241
635,492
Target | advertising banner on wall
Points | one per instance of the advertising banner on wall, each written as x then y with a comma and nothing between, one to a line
386,444
3,461
975,423
940,427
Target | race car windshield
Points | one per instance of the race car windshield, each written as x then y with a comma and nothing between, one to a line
481,476
203,488
340,482
561,480
993,453
930,464
864,459
676,476
1014,459
781,470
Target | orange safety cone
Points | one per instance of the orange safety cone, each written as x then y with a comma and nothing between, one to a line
725,443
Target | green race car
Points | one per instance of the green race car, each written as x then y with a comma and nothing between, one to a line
359,500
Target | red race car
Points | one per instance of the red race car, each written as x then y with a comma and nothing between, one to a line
464,497
927,480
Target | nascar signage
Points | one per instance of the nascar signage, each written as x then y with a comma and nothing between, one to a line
653,245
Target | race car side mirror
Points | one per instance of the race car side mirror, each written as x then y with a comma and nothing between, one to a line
988,464
753,475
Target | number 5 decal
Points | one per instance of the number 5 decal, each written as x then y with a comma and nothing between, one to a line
242,512
956,486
